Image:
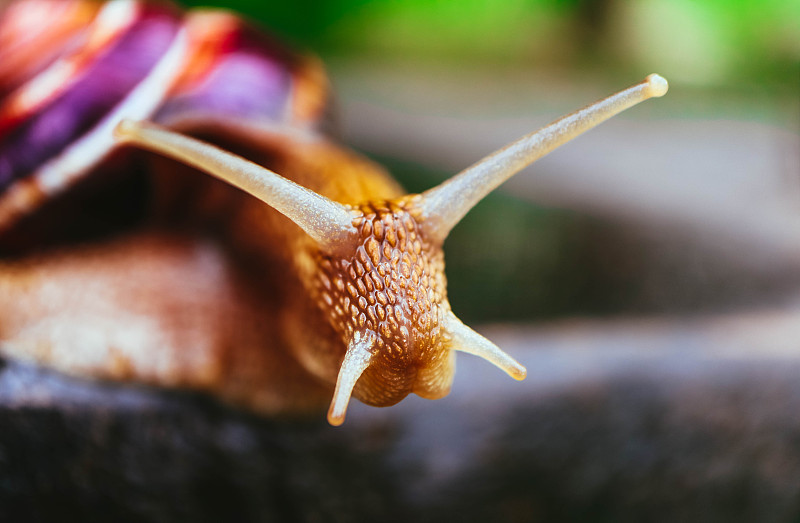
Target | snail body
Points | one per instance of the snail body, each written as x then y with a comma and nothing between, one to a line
297,268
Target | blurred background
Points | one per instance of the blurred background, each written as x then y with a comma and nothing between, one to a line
684,204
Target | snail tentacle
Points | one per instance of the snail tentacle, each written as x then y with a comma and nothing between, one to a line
356,360
446,204
467,340
329,223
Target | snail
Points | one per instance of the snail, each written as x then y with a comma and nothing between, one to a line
297,271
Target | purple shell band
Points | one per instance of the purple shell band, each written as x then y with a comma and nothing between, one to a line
208,70
101,87
251,80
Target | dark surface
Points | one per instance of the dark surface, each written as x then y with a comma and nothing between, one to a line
653,429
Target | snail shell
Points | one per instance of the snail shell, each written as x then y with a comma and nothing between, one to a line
296,268
204,70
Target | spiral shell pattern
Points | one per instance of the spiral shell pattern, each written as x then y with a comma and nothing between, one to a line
66,83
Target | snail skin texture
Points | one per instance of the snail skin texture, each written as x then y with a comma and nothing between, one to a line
281,287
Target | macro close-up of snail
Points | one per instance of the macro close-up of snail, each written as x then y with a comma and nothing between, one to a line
213,289
219,223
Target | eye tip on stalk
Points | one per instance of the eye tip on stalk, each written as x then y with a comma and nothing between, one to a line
657,85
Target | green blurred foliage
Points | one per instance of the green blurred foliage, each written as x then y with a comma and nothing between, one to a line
700,41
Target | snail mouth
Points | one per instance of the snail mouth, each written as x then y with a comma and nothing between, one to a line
382,387
434,380
378,387
433,391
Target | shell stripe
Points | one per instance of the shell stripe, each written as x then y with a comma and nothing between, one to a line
216,70
78,156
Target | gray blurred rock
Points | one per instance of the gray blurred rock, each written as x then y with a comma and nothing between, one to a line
624,421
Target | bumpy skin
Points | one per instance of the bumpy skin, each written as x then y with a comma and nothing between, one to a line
393,287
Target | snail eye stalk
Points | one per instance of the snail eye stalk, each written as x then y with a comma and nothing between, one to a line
329,223
445,205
